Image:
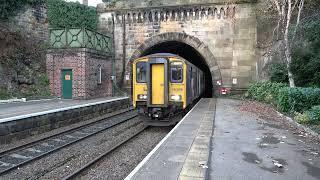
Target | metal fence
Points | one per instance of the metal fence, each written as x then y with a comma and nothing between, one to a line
80,38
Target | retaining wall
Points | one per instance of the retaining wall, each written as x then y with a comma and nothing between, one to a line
20,127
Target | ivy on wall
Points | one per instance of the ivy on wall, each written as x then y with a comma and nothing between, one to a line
63,14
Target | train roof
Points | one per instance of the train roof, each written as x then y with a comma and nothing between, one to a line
163,54
166,55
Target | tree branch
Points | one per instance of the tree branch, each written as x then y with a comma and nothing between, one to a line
298,19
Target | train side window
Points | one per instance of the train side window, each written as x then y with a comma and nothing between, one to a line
176,72
141,72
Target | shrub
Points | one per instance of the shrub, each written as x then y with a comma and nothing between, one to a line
298,99
311,117
4,94
302,118
63,14
314,114
305,66
265,91
278,73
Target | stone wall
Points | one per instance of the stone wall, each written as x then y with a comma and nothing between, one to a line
229,32
85,65
33,21
21,128
125,4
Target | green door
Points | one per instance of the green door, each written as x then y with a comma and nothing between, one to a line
66,83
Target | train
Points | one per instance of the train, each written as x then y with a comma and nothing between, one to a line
163,86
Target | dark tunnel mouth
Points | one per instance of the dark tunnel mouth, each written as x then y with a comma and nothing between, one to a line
189,53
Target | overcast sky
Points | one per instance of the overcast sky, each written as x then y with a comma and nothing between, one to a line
91,2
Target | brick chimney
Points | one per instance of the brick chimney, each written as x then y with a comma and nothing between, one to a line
85,2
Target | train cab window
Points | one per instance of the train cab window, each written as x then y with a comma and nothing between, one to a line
176,72
141,72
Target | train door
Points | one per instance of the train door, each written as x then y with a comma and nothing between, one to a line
158,82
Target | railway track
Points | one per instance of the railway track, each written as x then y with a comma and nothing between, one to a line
21,155
99,158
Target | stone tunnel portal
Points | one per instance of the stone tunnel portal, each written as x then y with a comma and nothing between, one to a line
188,53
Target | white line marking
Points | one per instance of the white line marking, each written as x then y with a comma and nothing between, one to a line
57,110
139,166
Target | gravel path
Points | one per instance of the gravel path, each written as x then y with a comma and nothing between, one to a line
119,163
69,159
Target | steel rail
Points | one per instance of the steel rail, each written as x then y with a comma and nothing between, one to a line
2,153
97,159
24,147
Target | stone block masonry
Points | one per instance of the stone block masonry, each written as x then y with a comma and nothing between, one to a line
225,34
33,20
86,66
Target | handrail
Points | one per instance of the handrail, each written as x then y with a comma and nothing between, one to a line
80,38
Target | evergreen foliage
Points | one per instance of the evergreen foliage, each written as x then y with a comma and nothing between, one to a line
265,91
303,103
63,14
298,99
306,55
278,73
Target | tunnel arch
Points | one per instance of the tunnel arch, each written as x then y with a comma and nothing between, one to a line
186,46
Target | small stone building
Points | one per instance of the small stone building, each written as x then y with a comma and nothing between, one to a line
79,64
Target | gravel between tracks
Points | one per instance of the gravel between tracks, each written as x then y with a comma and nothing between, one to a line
71,158
4,147
119,163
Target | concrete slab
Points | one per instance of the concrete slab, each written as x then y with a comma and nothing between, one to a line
171,158
21,120
14,111
241,149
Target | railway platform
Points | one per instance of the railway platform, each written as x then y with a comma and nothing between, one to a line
19,120
219,140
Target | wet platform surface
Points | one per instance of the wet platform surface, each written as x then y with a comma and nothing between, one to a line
216,140
178,155
20,110
246,146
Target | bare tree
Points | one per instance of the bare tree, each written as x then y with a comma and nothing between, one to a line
286,9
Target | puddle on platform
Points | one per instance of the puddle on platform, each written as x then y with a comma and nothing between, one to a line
251,158
270,140
268,133
291,144
275,169
312,170
267,140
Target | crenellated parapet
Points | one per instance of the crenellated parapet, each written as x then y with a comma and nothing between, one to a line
181,13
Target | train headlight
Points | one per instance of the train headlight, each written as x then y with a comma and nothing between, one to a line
142,97
176,97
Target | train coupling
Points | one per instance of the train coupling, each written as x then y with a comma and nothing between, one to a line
156,113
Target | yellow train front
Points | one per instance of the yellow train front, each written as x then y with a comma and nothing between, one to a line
164,85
